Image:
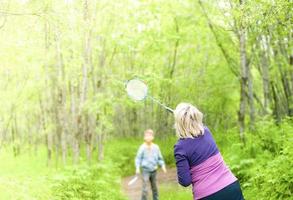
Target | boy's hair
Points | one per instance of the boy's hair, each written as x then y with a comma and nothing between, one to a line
149,131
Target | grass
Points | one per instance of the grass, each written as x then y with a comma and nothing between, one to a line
175,192
25,177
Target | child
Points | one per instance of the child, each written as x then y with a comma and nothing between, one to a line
148,158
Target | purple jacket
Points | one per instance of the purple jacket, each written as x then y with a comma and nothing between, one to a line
200,163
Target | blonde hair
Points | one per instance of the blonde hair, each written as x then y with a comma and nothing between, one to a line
188,121
149,131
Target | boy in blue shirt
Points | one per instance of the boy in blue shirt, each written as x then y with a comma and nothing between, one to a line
148,158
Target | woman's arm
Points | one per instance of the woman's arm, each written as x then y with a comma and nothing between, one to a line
183,168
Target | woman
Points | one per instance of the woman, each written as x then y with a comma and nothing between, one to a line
198,159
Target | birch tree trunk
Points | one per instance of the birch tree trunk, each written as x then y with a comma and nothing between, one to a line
265,75
86,67
243,79
251,99
74,124
61,92
45,108
14,136
277,108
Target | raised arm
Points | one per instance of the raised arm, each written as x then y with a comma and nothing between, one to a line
183,168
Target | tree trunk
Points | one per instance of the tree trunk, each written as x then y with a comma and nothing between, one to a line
49,140
276,104
291,78
85,67
88,138
243,80
14,137
265,77
45,108
64,147
251,100
100,147
48,136
76,151
61,121
74,125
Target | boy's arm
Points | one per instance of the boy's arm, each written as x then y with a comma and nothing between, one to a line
138,158
161,161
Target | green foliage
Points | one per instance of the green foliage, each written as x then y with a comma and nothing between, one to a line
62,49
32,179
276,175
88,183
123,152
166,145
264,164
24,177
274,172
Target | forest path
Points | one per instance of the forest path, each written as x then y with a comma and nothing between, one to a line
133,192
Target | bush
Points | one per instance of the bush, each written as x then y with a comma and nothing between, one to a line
274,178
263,165
98,182
275,181
122,152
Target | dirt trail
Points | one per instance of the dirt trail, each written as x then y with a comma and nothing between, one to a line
134,191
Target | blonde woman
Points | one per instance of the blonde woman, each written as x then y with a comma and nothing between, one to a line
198,159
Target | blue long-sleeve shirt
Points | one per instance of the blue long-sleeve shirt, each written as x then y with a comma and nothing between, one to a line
148,158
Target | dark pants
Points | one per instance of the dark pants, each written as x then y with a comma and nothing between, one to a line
231,192
146,177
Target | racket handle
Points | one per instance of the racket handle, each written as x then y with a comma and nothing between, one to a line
169,109
157,101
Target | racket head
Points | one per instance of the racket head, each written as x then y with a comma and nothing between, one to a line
136,89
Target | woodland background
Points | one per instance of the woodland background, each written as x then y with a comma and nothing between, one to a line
68,129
